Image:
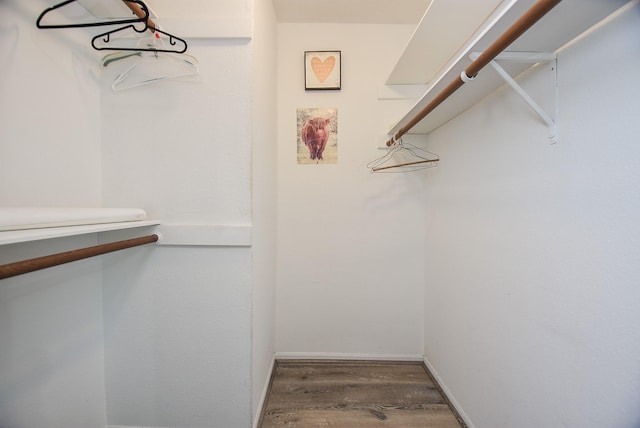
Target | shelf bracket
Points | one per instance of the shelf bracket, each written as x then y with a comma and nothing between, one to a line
529,57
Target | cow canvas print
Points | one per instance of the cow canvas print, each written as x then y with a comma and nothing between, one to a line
317,141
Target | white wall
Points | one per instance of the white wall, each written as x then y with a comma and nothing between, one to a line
50,113
177,337
532,252
182,150
51,339
176,349
264,209
51,358
178,320
350,244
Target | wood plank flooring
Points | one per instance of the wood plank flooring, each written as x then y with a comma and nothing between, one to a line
354,394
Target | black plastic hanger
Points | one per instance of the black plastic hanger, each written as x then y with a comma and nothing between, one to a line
101,42
144,18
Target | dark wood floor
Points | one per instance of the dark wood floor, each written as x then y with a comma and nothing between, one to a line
354,394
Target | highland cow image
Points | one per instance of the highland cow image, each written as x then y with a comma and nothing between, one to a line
317,135
314,134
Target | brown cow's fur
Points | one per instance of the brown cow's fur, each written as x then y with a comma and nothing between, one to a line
314,134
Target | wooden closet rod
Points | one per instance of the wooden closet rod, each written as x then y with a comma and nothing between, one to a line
526,21
142,14
31,265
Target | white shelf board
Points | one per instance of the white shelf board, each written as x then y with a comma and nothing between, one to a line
444,27
186,18
565,22
107,9
206,19
28,235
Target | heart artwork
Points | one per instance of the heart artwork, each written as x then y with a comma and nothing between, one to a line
322,69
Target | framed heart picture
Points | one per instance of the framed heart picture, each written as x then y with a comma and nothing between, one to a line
322,70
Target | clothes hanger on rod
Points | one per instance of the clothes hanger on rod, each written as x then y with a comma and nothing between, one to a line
147,60
123,55
118,56
403,157
139,75
145,68
104,41
137,7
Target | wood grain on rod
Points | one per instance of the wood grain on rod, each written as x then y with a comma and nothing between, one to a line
403,164
526,21
135,8
31,265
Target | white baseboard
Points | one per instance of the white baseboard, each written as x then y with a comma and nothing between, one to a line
448,393
265,391
341,356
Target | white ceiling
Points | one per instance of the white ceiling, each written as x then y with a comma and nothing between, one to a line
351,11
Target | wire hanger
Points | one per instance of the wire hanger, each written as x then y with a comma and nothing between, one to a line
137,6
403,157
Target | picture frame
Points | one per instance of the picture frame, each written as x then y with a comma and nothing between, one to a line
322,70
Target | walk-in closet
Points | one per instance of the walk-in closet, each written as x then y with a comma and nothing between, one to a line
217,213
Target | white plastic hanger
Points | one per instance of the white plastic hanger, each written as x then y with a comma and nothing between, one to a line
152,69
145,67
